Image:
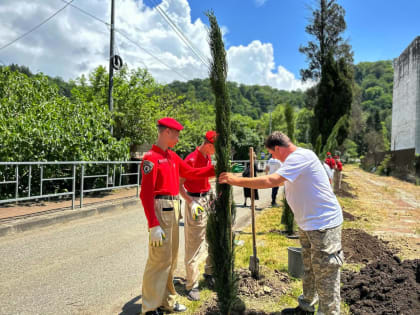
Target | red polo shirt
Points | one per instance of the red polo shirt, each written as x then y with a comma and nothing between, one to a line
160,176
197,159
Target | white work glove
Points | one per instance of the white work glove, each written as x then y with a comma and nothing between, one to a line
196,210
156,237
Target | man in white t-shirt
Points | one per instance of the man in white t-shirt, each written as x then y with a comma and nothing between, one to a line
272,166
318,215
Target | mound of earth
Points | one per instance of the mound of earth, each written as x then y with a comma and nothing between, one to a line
386,286
346,190
271,285
348,216
361,247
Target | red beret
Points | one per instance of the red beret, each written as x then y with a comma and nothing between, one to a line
335,157
328,153
211,136
170,123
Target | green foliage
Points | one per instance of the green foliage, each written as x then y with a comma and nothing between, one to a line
38,124
303,125
287,217
244,135
220,220
318,145
327,26
248,100
336,136
385,167
334,98
290,121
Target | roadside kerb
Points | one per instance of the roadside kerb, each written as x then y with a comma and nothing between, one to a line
25,224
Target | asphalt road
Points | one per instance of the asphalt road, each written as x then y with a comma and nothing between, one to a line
88,266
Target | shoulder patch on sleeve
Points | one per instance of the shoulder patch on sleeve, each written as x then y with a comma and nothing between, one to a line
147,166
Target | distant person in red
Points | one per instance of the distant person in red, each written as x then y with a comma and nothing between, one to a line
337,174
161,169
330,161
197,195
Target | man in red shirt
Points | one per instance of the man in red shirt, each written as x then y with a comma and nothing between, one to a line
197,196
337,173
330,161
161,169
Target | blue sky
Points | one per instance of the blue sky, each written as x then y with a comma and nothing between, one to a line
377,30
262,37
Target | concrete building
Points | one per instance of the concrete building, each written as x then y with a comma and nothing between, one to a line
406,100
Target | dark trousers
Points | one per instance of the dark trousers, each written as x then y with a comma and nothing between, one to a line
274,192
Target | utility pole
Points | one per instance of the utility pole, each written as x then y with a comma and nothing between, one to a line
111,69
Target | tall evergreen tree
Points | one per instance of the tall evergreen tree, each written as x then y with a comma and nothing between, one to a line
287,217
334,99
220,220
327,25
330,60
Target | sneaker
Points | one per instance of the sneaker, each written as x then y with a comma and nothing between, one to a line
193,294
295,311
155,312
209,281
178,308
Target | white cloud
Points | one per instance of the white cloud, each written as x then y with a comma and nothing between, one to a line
72,43
260,3
254,64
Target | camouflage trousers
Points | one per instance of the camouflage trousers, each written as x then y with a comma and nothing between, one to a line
322,258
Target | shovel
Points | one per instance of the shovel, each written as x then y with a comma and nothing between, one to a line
254,262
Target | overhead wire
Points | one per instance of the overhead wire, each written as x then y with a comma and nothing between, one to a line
180,33
35,27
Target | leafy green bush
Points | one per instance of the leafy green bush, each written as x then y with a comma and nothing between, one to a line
385,167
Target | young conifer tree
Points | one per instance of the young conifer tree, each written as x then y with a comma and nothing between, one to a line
287,217
221,216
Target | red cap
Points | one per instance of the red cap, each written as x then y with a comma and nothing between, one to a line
211,136
328,153
335,157
170,123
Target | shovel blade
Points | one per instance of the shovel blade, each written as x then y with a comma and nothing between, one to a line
254,266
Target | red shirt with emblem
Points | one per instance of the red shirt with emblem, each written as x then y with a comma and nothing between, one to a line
197,159
330,162
339,166
160,176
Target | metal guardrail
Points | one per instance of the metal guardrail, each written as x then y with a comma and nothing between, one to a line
110,178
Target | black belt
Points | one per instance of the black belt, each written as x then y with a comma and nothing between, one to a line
197,194
167,197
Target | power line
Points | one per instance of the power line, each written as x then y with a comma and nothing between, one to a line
86,12
36,27
150,54
180,34
130,40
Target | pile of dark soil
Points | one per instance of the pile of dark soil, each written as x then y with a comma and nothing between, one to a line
346,190
386,286
348,216
361,247
271,285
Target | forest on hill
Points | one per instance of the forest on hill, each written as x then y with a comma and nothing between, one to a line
35,111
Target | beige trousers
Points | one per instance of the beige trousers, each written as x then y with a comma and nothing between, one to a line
337,181
195,242
158,288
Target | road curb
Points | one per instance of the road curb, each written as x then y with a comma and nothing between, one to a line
66,215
